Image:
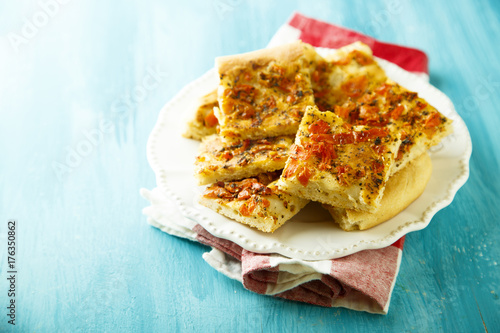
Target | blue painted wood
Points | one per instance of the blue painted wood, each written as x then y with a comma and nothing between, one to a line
81,84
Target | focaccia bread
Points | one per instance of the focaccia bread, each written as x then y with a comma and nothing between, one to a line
401,190
338,164
264,93
387,104
256,202
204,122
345,75
218,161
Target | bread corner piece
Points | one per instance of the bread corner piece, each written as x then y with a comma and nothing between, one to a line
264,93
203,122
337,164
253,203
217,161
402,189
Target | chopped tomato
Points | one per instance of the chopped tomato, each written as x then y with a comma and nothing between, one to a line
397,112
227,155
304,175
420,106
211,119
433,120
344,138
369,112
278,69
321,93
361,58
341,171
344,110
377,167
372,133
367,98
383,89
315,76
248,207
355,87
380,149
319,127
265,202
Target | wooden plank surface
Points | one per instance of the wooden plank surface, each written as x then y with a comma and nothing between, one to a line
81,85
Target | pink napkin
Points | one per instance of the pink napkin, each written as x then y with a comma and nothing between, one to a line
362,281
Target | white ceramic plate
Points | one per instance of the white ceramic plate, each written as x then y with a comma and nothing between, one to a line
311,234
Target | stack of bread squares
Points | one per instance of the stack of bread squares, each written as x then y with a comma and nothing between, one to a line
286,126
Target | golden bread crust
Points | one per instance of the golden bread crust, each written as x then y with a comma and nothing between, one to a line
402,189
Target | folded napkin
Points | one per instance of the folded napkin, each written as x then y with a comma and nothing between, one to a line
362,281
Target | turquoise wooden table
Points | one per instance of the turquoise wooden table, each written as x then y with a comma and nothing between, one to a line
81,85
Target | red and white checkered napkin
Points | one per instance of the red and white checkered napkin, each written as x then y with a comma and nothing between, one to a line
362,281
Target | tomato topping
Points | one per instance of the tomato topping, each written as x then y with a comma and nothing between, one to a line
341,171
370,134
397,112
319,127
248,207
420,106
433,120
355,87
367,98
246,189
269,103
243,146
344,138
291,168
243,92
380,149
369,112
361,58
377,167
211,119
278,69
304,175
315,76
294,168
321,93
344,110
383,89
227,155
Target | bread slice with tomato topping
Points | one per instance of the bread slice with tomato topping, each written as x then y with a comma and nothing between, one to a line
401,190
339,164
256,202
204,122
219,161
264,93
389,105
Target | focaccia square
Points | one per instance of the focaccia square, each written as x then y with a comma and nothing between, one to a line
256,202
204,122
388,104
338,164
264,93
401,190
218,161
